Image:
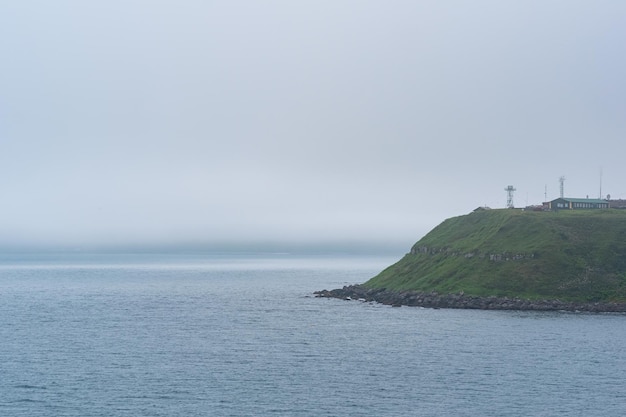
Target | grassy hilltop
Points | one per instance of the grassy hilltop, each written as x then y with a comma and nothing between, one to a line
570,255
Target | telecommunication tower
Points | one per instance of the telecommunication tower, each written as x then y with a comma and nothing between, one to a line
562,188
509,196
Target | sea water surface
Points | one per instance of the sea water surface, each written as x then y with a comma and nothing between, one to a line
242,335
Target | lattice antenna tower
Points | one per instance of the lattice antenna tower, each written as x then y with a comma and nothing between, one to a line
562,186
509,196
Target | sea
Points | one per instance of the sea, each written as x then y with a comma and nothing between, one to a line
241,334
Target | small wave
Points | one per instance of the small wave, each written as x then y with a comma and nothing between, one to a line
150,397
27,400
28,386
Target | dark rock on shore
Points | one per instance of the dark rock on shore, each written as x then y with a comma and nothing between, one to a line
460,300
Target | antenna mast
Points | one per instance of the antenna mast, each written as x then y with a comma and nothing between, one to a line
600,184
562,183
509,196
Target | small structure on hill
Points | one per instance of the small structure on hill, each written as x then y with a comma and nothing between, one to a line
509,196
578,204
618,204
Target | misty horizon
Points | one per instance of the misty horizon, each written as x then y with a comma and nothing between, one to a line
153,124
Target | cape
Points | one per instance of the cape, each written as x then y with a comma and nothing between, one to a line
510,259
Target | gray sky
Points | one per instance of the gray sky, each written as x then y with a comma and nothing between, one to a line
130,122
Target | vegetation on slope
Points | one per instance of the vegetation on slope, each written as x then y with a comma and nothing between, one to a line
571,255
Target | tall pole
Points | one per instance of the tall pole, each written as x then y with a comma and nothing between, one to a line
600,197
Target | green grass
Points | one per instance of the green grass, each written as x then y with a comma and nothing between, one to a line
571,255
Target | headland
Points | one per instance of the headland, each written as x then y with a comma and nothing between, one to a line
510,259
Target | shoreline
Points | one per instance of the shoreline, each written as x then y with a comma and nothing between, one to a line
462,301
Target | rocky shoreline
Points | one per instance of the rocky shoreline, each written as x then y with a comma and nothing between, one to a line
460,300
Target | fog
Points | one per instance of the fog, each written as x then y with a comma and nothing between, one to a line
354,122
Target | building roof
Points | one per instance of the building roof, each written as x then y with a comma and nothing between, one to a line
582,200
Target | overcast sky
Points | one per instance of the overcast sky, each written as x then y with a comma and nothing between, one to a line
135,122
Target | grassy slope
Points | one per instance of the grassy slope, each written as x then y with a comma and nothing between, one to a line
572,255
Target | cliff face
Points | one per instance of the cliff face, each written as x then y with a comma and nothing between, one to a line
569,255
